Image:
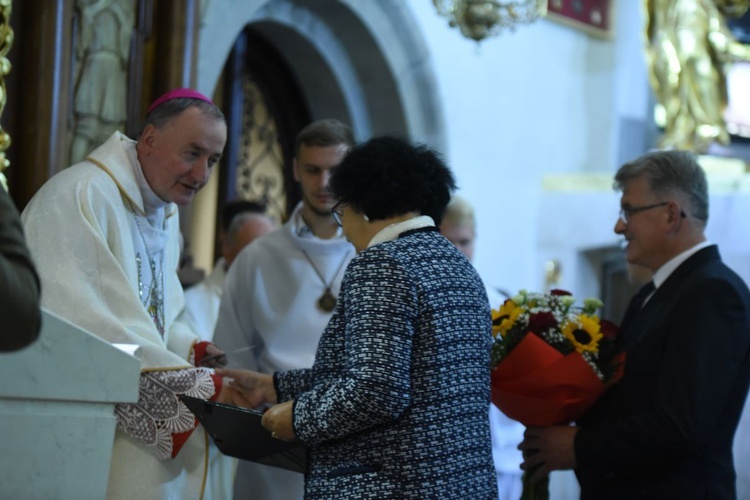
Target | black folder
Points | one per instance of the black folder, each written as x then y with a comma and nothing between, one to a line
237,433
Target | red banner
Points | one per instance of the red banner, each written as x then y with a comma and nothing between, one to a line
594,16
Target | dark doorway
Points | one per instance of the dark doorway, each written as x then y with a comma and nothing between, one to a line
265,111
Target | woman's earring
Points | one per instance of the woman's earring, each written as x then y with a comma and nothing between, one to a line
365,217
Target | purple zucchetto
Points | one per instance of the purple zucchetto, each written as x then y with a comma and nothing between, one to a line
177,94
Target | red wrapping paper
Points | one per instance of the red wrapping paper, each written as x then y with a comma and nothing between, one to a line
538,386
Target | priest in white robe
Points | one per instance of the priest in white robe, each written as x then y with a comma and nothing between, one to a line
242,222
104,235
281,290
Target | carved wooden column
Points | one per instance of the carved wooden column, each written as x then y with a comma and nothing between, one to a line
39,89
176,44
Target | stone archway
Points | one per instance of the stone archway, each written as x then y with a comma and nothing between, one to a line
361,59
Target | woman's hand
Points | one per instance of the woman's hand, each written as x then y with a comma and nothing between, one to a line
278,420
226,394
248,388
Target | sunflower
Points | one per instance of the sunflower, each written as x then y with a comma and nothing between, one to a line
583,333
504,318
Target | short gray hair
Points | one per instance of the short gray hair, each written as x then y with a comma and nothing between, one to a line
239,220
675,173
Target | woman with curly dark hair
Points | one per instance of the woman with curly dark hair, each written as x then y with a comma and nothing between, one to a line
395,405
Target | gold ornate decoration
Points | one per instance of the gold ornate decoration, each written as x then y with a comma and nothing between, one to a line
260,169
478,19
689,46
6,41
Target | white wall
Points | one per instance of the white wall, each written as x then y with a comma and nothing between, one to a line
544,99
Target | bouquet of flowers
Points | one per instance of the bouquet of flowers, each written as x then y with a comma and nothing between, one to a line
550,360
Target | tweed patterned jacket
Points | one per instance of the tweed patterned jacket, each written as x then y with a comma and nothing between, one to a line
395,405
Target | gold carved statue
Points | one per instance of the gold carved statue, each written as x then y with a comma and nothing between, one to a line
6,40
689,47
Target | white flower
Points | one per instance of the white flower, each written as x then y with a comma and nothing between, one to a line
567,300
519,299
592,304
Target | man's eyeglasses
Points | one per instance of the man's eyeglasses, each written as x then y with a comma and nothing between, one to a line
336,213
627,212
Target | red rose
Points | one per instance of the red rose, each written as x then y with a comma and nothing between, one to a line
608,329
541,322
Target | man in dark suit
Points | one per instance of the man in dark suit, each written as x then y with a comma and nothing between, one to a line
19,283
665,430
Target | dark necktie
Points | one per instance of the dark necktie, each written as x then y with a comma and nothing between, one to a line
635,306
643,294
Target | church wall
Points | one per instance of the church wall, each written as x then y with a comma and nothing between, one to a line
545,99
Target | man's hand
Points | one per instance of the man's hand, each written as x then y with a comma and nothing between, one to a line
546,449
248,388
278,420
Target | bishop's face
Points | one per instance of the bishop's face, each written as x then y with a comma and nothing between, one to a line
178,159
